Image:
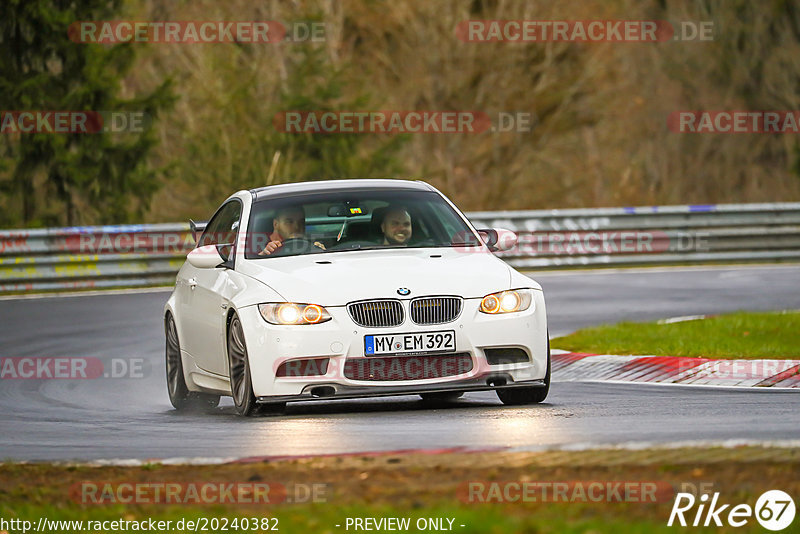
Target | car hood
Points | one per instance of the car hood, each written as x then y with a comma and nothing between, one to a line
336,278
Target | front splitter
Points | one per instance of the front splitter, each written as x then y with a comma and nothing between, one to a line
341,391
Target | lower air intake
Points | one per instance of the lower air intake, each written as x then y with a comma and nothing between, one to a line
399,368
505,356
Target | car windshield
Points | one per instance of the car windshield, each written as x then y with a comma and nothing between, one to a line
354,220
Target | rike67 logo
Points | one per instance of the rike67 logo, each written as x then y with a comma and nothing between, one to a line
774,510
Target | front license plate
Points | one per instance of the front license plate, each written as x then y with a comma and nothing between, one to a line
443,341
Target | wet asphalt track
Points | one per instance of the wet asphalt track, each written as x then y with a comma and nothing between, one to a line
132,418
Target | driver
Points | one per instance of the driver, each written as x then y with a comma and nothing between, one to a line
289,223
396,227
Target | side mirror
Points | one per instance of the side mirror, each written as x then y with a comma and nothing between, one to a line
498,239
206,257
197,228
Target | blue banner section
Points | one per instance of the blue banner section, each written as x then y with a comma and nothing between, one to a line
703,207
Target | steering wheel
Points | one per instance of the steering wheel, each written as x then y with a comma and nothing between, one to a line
297,245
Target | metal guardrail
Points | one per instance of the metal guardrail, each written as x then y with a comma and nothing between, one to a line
92,256
650,235
144,255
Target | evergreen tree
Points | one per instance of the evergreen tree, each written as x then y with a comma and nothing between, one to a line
70,178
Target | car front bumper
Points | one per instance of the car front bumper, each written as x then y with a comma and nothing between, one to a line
341,340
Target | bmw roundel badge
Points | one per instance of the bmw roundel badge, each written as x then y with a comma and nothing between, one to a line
403,291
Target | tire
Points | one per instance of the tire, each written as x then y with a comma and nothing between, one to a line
441,396
522,396
179,395
239,371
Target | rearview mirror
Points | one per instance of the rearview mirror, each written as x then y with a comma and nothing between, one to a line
347,210
498,239
205,257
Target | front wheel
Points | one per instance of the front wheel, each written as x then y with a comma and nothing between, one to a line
179,395
533,395
239,365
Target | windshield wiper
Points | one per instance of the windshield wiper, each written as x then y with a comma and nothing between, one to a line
355,246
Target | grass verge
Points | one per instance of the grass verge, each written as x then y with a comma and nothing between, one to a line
418,487
743,335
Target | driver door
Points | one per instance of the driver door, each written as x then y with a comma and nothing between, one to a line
204,309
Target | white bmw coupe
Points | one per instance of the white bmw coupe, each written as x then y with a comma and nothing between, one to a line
347,289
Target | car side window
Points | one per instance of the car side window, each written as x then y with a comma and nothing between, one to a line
222,227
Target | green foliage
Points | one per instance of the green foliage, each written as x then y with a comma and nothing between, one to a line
316,85
242,147
753,63
733,336
71,178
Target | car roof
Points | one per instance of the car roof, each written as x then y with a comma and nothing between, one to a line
338,185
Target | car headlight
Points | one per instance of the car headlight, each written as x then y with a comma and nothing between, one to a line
513,300
293,313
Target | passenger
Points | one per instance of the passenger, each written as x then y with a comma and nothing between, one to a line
396,227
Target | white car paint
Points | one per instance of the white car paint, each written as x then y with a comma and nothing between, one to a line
204,299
